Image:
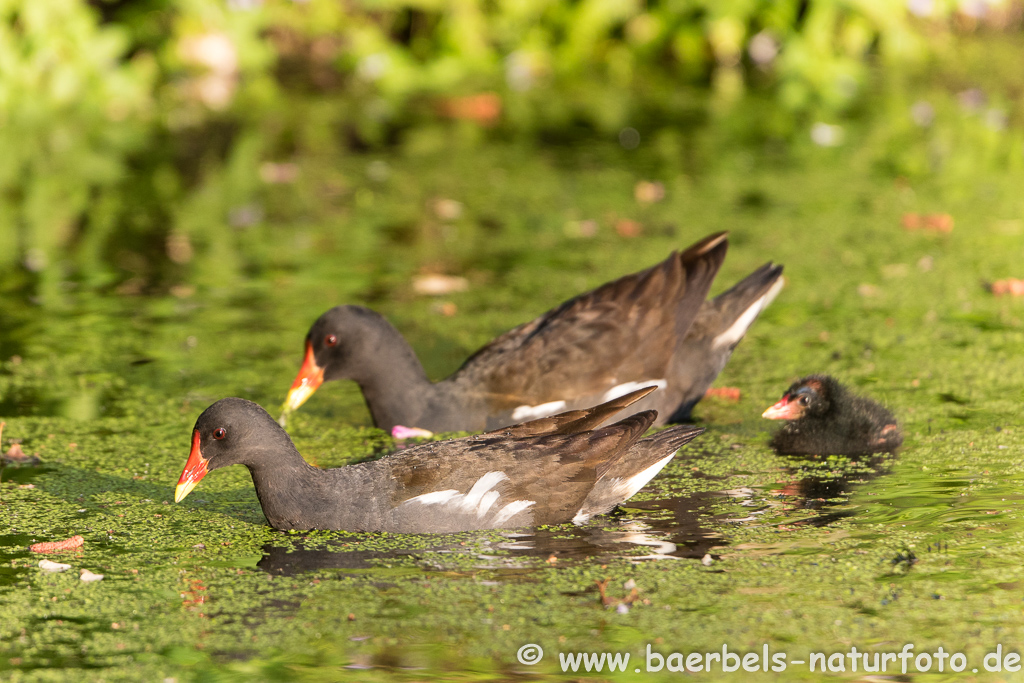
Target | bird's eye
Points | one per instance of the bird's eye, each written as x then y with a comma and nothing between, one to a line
219,433
331,340
803,400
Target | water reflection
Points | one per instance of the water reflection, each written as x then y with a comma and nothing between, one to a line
824,492
680,527
663,529
23,475
12,547
287,561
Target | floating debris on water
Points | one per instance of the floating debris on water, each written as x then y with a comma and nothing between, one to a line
483,108
401,432
278,173
448,209
724,393
58,546
628,228
16,456
435,284
934,222
609,601
1010,285
647,192
89,576
50,566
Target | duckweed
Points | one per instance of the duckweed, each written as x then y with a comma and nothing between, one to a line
806,555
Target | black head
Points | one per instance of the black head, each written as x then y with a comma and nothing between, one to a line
813,395
230,432
339,336
334,345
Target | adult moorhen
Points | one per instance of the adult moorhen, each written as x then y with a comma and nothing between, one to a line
547,471
649,328
826,419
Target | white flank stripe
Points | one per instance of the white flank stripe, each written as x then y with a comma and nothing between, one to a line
773,292
580,518
640,479
535,412
511,510
485,503
471,500
435,497
732,336
627,387
479,500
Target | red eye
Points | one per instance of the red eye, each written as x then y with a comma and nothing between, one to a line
331,340
219,433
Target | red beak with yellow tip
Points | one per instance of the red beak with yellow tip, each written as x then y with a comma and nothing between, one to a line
310,377
785,409
195,469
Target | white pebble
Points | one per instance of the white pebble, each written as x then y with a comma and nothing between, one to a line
706,560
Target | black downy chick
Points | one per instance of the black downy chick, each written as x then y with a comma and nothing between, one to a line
826,419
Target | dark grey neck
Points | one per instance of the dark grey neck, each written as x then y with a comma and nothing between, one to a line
296,495
394,383
282,480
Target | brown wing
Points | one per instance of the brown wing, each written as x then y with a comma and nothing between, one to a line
633,469
623,331
718,328
573,421
554,473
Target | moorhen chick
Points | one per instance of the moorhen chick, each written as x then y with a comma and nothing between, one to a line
548,471
826,419
649,328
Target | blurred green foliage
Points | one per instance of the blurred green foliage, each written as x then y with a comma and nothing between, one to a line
72,107
140,135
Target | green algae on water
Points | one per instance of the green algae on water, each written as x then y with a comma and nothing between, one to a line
730,544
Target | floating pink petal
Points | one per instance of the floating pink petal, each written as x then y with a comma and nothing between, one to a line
401,432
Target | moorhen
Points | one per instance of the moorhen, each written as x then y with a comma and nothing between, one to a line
826,419
649,328
549,471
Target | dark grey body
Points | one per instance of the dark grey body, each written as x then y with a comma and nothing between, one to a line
547,471
629,333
